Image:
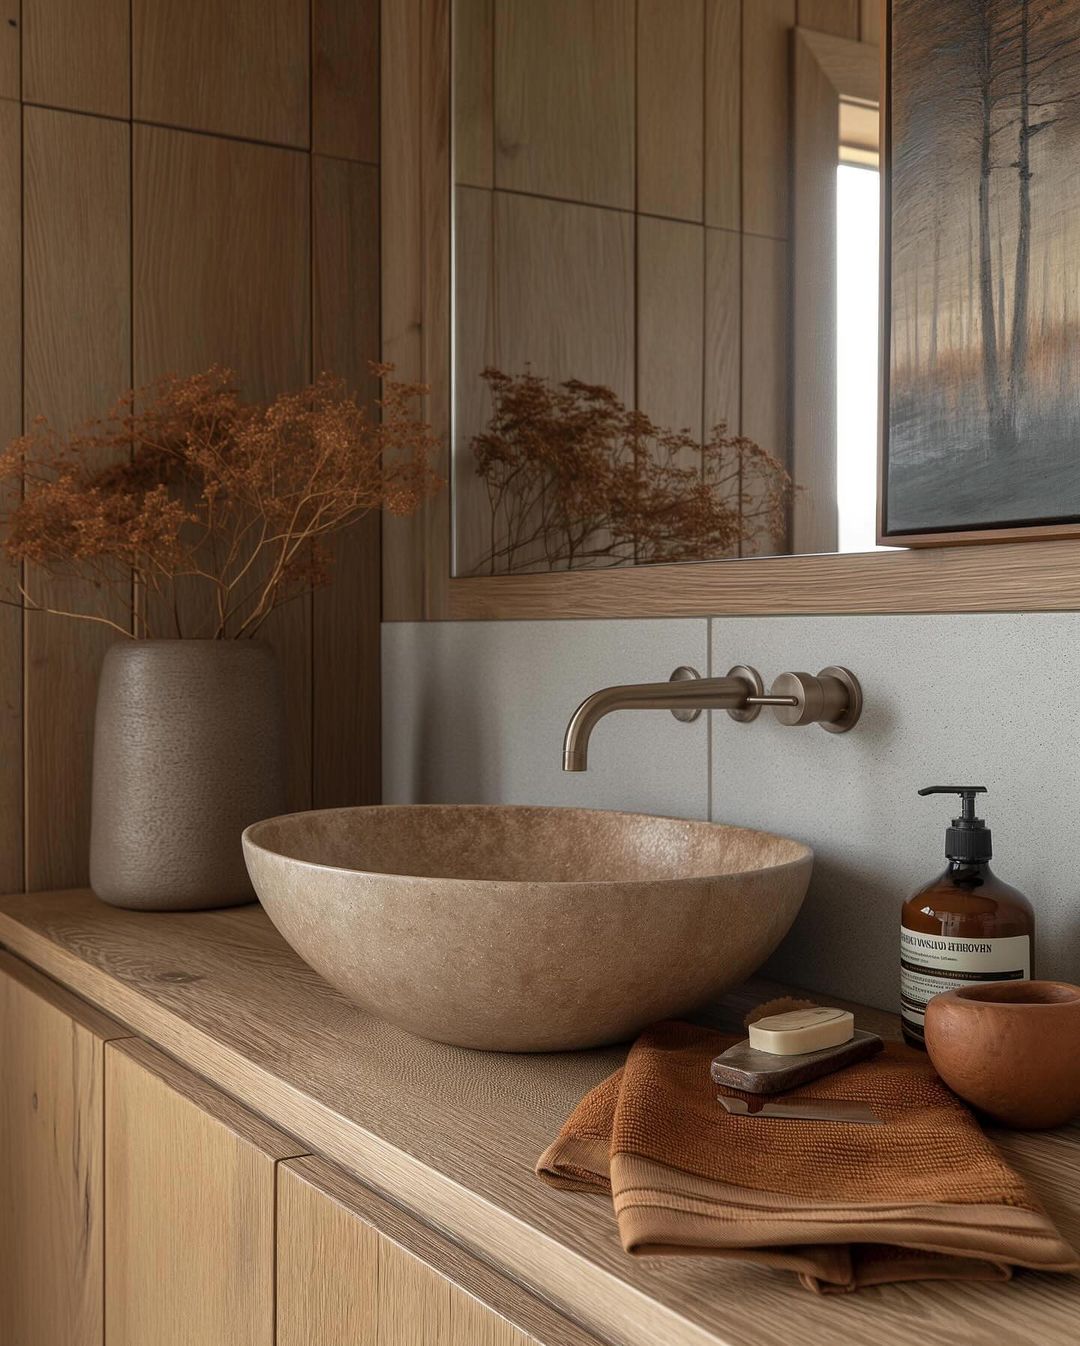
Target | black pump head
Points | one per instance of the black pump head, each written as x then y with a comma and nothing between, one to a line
969,839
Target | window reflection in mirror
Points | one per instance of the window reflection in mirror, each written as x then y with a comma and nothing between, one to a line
858,214
624,291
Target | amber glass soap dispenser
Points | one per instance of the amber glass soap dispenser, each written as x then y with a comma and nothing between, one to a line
964,928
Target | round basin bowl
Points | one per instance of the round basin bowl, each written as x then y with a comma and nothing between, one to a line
511,928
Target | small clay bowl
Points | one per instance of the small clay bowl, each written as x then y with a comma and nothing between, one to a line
1010,1049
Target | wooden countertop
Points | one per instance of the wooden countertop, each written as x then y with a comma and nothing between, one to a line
453,1135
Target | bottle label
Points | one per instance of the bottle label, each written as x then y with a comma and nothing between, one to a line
930,964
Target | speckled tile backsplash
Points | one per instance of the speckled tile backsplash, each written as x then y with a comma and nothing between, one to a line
476,711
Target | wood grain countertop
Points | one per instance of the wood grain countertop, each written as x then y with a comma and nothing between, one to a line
452,1135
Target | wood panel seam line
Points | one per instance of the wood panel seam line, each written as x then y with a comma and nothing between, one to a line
313,773
131,268
315,154
611,209
23,672
175,126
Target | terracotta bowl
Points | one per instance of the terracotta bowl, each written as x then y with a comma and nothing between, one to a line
525,929
1011,1049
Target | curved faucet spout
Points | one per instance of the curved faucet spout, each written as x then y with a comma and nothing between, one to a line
694,694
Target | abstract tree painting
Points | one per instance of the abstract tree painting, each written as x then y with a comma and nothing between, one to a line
983,410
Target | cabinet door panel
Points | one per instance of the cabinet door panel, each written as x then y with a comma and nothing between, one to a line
51,1144
353,1270
189,1189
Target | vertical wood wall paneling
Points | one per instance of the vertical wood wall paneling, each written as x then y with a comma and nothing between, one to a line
190,1192
51,1159
840,17
215,284
723,115
346,615
345,79
564,99
237,69
870,20
77,55
670,115
77,340
404,250
474,114
766,367
10,50
11,639
766,40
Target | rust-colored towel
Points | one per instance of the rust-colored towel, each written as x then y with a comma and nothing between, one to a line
843,1205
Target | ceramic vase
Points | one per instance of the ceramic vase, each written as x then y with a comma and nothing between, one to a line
189,748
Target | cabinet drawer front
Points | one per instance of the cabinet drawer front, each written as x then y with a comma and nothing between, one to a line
51,1142
354,1270
189,1190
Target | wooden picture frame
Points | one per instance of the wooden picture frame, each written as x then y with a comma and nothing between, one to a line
971,534
416,309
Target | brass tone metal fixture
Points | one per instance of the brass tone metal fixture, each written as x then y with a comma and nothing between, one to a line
832,698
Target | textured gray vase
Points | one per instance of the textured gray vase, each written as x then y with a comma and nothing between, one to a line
189,748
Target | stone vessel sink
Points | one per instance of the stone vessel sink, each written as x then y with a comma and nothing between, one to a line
525,929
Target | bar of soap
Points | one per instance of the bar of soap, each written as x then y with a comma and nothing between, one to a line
804,1030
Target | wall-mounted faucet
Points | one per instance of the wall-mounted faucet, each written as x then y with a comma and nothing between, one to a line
832,698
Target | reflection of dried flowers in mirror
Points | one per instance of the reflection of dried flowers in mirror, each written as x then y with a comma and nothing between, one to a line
184,484
576,479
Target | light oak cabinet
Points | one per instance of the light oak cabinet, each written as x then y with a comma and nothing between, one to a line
189,1197
139,1205
52,1119
354,1271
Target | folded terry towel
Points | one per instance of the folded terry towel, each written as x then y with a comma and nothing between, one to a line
924,1197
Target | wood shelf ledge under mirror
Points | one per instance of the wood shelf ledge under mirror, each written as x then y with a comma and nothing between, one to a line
981,576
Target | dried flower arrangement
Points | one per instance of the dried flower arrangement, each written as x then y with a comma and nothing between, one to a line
185,486
574,478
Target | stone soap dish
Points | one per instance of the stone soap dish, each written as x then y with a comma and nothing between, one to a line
756,1072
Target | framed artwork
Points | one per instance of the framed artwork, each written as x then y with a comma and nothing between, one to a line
981,333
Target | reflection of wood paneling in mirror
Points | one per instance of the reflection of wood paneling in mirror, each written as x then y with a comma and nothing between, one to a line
544,103
723,329
670,108
474,113
474,332
564,99
766,37
564,291
670,322
765,356
870,20
11,636
840,17
722,375
723,117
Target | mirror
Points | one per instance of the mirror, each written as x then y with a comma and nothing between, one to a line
648,219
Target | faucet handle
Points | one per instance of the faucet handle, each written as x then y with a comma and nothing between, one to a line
832,698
